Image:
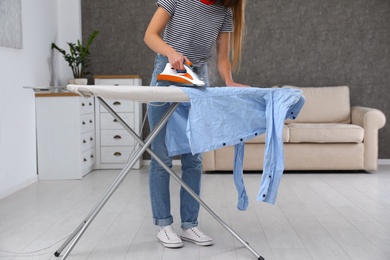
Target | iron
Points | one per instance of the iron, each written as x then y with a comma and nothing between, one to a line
185,78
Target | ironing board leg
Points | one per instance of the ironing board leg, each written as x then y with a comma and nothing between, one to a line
180,181
76,235
79,231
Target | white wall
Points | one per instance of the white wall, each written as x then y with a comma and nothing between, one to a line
69,24
43,22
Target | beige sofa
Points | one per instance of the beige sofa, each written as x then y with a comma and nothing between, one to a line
328,134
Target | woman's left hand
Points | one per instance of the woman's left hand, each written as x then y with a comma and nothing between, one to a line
235,84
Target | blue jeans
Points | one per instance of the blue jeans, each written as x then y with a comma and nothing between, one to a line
159,178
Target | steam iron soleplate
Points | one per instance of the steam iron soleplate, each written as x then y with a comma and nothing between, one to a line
185,78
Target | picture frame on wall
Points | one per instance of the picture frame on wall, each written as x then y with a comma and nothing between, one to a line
11,24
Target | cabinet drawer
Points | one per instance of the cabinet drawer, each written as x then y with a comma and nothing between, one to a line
116,138
119,105
107,121
87,123
87,140
115,154
86,105
88,158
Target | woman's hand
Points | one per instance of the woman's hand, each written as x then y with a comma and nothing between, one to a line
235,84
177,59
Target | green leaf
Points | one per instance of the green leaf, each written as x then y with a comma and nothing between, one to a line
78,57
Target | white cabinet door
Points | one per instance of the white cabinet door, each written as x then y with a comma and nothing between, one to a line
65,136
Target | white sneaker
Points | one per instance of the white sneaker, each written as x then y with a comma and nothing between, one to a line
194,235
168,237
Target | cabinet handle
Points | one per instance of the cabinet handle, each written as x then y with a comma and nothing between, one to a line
114,120
90,103
117,137
117,154
84,141
85,160
91,155
90,121
83,123
91,139
82,104
116,103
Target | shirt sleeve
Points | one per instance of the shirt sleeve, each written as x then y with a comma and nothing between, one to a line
228,25
168,5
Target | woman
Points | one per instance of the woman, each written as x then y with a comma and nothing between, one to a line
190,29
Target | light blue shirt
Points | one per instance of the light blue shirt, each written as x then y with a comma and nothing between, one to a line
225,116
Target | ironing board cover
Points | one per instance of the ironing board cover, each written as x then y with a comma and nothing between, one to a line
135,93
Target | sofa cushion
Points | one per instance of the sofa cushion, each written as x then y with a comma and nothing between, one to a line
261,138
325,133
324,105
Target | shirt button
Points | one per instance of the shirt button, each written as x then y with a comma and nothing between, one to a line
241,139
224,144
264,195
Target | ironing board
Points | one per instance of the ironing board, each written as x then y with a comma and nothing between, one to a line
137,94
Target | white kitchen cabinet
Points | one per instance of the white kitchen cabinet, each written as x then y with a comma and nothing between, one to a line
65,135
114,145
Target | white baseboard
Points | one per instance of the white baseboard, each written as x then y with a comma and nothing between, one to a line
384,161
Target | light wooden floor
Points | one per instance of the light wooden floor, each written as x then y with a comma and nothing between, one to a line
317,216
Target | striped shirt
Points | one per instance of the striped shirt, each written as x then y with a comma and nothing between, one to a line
194,27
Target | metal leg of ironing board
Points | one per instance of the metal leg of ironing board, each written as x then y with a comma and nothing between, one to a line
180,181
79,231
145,144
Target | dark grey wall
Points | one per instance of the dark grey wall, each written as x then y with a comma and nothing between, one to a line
295,42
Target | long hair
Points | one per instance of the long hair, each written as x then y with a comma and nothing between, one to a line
237,39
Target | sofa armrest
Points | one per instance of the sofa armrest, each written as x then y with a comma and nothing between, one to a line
367,117
371,120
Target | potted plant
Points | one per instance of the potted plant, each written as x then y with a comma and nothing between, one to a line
78,58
